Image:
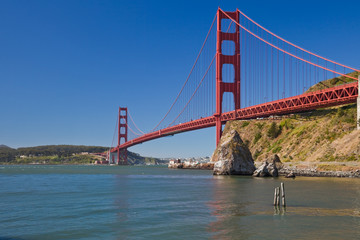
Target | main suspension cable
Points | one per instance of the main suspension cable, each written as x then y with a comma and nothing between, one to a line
294,44
134,123
187,79
290,54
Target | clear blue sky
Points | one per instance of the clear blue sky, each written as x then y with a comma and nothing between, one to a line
66,66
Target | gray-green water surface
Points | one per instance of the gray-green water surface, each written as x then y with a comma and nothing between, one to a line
132,202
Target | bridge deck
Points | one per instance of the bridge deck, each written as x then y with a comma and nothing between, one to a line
338,95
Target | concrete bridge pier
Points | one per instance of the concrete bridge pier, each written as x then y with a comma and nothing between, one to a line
358,105
113,159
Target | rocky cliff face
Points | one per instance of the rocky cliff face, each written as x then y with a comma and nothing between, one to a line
232,156
324,139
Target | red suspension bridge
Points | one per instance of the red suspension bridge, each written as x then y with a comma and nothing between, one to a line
243,71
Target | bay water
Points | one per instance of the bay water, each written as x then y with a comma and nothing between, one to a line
153,202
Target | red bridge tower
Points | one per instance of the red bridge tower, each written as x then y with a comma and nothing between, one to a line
122,135
221,59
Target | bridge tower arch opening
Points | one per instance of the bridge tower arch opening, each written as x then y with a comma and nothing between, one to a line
226,85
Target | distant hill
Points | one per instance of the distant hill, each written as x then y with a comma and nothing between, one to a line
63,154
134,158
4,146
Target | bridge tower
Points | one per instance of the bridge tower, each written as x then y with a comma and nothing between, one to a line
122,135
221,59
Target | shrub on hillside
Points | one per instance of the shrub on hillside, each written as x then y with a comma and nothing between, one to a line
257,137
286,123
245,123
274,131
340,112
260,125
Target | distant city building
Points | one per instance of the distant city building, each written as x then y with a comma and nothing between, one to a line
173,161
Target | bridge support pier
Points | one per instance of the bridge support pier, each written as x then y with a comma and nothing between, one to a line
218,128
122,156
112,159
358,105
119,157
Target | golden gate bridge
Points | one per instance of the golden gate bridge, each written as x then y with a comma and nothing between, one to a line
243,71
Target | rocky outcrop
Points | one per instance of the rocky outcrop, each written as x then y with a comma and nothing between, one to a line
269,168
232,156
276,161
315,173
272,169
192,165
261,171
266,170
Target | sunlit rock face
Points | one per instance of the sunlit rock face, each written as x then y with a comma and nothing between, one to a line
266,170
232,156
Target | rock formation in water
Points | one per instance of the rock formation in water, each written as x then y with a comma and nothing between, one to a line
266,170
269,168
191,165
276,161
232,156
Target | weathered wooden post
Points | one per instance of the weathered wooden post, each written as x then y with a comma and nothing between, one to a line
283,195
358,105
277,196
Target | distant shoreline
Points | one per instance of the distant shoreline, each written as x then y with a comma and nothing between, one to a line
74,164
306,172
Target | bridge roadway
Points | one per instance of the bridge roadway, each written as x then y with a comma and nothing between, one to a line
338,95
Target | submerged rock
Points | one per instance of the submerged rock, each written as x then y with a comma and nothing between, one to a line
232,156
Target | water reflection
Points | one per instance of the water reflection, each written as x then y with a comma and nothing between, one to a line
121,205
323,208
155,203
279,210
228,205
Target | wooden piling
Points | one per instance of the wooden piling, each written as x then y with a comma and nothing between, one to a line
277,196
283,195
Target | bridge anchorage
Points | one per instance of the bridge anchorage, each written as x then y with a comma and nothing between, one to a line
244,71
